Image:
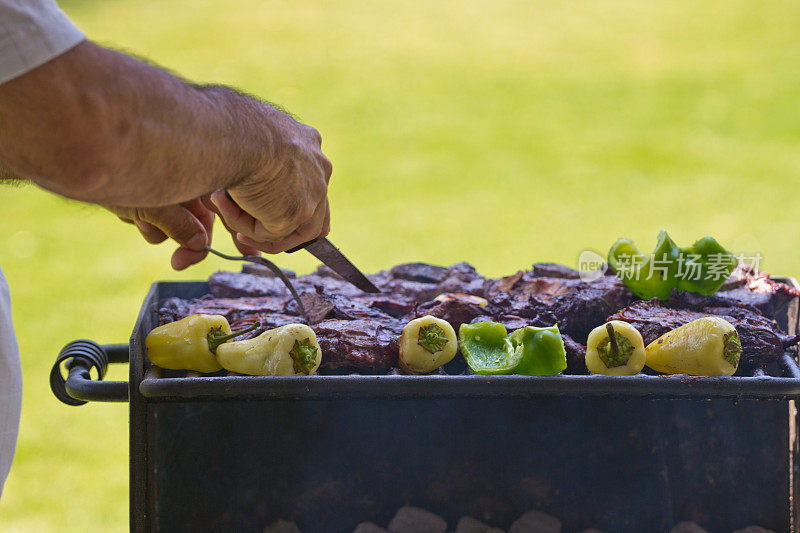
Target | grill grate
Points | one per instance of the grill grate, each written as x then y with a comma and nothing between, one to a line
780,381
160,385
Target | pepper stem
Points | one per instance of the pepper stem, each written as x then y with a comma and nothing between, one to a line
612,338
432,338
216,336
304,356
616,350
732,348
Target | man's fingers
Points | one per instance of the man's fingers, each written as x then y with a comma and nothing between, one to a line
183,258
319,224
189,224
243,248
151,234
238,220
270,247
235,217
179,224
311,228
202,213
326,225
206,200
327,168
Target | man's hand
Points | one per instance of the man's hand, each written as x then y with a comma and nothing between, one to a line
189,224
284,203
98,126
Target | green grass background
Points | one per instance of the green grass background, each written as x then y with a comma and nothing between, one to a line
497,132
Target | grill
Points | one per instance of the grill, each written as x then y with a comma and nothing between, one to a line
639,453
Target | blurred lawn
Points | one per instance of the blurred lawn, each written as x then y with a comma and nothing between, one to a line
500,133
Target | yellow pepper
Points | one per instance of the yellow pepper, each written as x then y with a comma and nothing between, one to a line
426,344
190,343
290,350
615,349
708,346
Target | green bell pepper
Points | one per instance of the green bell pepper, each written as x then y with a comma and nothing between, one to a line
532,351
707,265
702,267
487,349
542,351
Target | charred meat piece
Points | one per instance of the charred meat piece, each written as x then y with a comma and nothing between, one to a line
266,321
326,305
173,309
232,309
652,319
327,279
752,287
456,309
576,356
524,284
511,322
236,285
394,306
577,306
462,278
240,284
588,303
364,345
762,340
419,272
317,306
422,282
413,290
418,281
533,310
554,270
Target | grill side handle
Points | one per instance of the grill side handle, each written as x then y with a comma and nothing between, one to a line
78,358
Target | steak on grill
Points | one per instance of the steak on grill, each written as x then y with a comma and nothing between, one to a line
762,340
359,331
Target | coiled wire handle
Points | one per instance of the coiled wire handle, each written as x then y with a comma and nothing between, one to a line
79,388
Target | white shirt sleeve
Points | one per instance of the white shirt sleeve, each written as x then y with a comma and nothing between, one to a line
10,384
32,32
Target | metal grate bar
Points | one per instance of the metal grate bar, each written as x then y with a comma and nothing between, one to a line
789,365
154,372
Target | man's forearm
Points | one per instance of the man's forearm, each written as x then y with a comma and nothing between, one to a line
99,126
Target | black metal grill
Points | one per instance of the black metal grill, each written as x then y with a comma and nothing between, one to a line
209,452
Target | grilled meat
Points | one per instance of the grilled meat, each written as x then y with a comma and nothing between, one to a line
368,346
266,321
233,309
576,355
762,340
419,272
750,286
241,285
359,331
554,270
238,285
320,305
456,309
577,306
